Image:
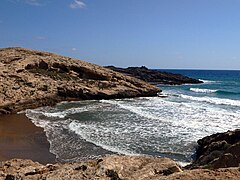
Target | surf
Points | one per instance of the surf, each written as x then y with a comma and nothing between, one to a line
198,90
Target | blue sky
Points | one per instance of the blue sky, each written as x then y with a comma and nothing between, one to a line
195,34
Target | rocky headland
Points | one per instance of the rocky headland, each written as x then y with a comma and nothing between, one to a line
154,76
30,79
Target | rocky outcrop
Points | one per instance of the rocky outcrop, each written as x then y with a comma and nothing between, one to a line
30,79
219,150
156,77
111,168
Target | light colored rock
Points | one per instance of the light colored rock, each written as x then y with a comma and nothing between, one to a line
30,79
140,167
112,167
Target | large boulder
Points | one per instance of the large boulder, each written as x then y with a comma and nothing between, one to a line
219,150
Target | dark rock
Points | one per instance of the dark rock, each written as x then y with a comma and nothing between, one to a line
31,173
219,150
4,111
154,76
112,174
62,68
83,168
9,177
86,73
20,70
43,65
100,160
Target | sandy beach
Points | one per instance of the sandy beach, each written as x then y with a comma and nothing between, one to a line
20,138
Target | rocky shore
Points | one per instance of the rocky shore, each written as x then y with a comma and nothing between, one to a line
112,168
154,76
217,158
31,79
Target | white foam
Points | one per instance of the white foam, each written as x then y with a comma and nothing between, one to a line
213,100
182,164
83,130
56,114
138,126
141,111
63,113
207,81
198,90
185,123
52,129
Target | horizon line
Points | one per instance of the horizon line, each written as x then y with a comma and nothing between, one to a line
197,69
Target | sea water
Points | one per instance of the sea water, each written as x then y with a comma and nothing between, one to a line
165,127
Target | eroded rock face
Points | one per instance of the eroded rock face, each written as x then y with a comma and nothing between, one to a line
30,79
219,150
156,77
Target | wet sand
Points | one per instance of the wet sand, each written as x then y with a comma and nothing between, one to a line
20,138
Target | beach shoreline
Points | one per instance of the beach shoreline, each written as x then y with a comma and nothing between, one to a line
21,139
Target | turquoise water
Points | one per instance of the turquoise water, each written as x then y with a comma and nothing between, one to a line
222,84
167,127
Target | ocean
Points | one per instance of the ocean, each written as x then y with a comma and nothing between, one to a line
165,127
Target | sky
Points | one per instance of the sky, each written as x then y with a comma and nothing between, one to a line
164,34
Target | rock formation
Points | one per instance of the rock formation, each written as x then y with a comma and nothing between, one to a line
111,168
219,150
30,79
156,77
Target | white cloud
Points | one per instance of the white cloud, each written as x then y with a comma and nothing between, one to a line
40,38
76,4
33,2
74,49
30,2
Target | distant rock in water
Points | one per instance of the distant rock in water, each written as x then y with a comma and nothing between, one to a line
30,79
155,77
219,150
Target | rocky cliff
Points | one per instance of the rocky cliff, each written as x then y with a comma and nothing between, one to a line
30,79
155,77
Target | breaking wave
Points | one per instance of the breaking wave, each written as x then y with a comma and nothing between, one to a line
207,81
198,90
212,100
